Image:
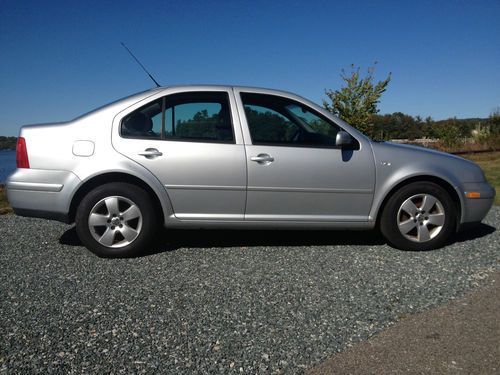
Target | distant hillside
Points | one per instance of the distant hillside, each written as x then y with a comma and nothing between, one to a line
8,143
470,120
402,126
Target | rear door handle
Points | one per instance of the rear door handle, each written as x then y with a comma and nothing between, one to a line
262,159
150,153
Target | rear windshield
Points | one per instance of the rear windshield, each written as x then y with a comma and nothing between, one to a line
111,103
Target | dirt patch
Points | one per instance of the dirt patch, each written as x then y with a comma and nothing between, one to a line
462,336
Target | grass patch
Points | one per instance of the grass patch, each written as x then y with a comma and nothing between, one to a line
4,205
490,163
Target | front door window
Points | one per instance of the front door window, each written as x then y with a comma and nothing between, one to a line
279,121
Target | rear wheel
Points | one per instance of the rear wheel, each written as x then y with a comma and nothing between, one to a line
419,216
116,220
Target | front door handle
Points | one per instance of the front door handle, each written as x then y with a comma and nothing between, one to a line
262,159
150,153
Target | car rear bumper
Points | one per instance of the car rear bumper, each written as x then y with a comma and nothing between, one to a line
41,193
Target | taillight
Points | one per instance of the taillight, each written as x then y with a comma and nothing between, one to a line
22,154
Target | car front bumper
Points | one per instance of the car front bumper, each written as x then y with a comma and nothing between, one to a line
475,209
41,193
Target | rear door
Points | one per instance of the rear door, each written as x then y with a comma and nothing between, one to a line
295,170
189,141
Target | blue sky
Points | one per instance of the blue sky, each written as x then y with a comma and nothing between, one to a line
58,59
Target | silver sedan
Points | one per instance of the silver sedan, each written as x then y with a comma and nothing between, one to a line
235,157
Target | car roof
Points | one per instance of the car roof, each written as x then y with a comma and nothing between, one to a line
208,87
122,103
227,87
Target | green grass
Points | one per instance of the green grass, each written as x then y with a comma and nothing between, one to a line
490,163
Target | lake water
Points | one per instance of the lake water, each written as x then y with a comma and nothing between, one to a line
7,164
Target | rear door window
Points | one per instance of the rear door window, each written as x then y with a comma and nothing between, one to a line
192,116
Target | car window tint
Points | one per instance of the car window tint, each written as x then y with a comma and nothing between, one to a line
191,116
198,121
269,126
315,123
143,123
277,120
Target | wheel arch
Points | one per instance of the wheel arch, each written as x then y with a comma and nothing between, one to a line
109,177
446,185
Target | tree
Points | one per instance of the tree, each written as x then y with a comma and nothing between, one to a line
494,120
357,101
492,138
8,143
448,132
396,125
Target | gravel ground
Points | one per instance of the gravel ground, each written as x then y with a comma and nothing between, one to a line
216,301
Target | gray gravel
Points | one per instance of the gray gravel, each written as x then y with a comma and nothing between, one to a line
216,301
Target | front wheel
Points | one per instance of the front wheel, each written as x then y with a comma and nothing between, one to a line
419,216
116,220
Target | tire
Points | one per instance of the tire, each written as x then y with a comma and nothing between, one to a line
419,216
116,220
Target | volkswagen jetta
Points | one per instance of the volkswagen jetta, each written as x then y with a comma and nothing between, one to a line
235,157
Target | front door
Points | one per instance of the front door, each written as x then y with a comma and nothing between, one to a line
295,170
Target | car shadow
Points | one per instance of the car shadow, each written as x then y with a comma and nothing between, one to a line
169,240
477,231
173,239
176,239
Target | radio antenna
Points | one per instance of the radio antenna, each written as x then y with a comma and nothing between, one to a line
138,62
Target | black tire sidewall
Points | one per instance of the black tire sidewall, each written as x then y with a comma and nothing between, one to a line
388,222
137,195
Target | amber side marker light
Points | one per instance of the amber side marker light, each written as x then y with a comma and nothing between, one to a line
473,194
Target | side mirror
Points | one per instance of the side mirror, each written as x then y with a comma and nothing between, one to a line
343,138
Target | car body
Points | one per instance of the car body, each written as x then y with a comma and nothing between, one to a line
236,157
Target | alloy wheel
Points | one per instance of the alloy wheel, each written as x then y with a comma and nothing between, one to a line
421,217
115,221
